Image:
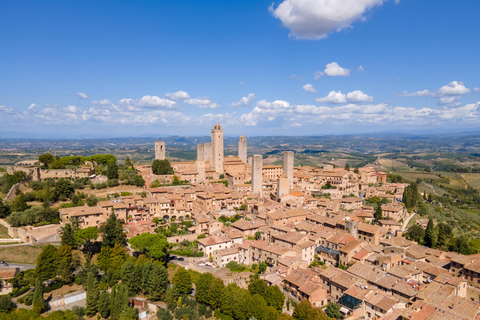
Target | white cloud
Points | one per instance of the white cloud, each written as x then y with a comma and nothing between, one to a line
333,97
6,109
476,89
309,88
294,76
453,88
277,104
71,109
148,102
451,100
315,19
82,95
32,106
317,75
179,95
360,68
202,103
242,83
244,102
424,93
334,70
358,96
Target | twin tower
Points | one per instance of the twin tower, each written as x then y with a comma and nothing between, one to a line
213,151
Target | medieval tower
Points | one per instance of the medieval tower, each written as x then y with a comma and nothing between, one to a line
242,149
160,150
288,165
217,148
257,168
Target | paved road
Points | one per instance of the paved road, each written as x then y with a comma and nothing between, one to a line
21,266
405,224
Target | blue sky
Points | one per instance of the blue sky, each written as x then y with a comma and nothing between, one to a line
291,67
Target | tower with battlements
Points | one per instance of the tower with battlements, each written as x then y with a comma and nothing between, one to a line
242,149
160,150
217,148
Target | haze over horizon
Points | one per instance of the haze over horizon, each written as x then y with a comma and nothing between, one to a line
291,67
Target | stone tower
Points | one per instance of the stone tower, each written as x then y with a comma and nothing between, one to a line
288,165
242,149
283,186
200,152
352,227
160,150
200,167
257,167
217,148
207,153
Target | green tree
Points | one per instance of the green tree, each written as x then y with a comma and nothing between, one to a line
47,263
158,282
378,212
64,266
162,167
411,196
416,233
163,314
182,280
112,232
154,245
444,234
92,295
68,236
430,239
128,162
274,297
86,237
6,304
104,304
92,201
333,310
203,287
356,170
215,295
305,311
171,297
347,167
38,302
63,189
19,203
112,170
258,234
258,286
46,159
262,267
4,210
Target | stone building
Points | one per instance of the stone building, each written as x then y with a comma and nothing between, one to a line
217,148
242,149
288,160
160,150
257,174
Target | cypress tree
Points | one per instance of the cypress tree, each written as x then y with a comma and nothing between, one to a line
158,281
67,236
430,239
215,296
92,295
378,212
47,263
171,297
38,301
104,304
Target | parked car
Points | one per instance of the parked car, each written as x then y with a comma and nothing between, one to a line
180,259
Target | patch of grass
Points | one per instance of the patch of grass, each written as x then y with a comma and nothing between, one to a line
4,232
8,243
473,179
171,267
472,211
21,254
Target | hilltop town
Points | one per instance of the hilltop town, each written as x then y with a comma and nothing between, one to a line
315,232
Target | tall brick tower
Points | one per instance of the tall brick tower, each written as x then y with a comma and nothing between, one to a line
160,150
217,148
242,149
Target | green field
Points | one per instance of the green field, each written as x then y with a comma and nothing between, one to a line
473,179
